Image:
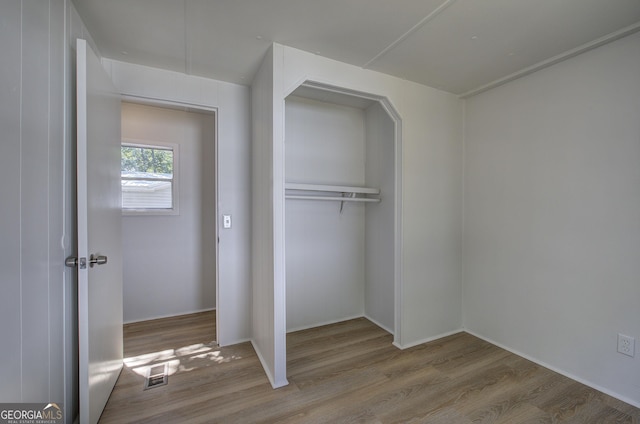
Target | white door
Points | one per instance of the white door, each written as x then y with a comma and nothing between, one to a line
99,234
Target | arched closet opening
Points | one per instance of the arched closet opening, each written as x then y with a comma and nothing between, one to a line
342,197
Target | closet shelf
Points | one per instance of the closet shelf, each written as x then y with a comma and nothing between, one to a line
331,188
339,199
349,193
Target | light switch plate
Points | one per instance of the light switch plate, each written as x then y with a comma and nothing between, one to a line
226,221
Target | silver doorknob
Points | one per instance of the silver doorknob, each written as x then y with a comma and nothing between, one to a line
73,261
97,260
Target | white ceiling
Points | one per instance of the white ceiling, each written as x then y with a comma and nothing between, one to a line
461,46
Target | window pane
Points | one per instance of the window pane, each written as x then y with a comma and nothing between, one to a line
147,177
147,159
143,194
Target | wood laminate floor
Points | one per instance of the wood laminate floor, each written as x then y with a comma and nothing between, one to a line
344,373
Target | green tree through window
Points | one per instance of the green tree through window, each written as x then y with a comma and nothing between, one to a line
145,159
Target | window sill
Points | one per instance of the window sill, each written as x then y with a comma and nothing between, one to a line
150,212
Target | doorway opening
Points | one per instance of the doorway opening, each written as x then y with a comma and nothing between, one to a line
170,249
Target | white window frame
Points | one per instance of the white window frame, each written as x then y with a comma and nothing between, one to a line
174,210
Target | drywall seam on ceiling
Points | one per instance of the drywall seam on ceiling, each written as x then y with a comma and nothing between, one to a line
413,29
631,29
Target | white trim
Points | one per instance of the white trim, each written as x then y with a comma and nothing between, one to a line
411,30
386,103
428,339
267,371
169,104
398,261
616,35
278,223
321,324
463,220
234,342
81,221
378,324
337,321
175,180
557,370
170,316
214,111
321,84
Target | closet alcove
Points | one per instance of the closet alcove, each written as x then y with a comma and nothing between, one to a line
340,208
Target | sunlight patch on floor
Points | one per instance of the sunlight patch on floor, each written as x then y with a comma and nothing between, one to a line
184,359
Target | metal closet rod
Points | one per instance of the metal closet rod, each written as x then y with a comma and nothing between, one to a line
331,188
337,198
352,191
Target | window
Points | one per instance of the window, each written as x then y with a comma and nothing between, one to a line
148,174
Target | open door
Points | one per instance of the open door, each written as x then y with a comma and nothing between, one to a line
99,234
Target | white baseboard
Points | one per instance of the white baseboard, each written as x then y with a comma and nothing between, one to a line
267,370
558,370
320,324
388,330
427,340
235,342
169,315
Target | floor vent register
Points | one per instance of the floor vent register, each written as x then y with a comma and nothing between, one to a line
157,375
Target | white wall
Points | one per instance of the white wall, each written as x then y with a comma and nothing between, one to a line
31,255
552,208
340,265
38,307
380,218
268,332
324,144
431,177
232,103
429,294
169,260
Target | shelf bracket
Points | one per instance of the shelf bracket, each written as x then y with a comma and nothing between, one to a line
350,195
